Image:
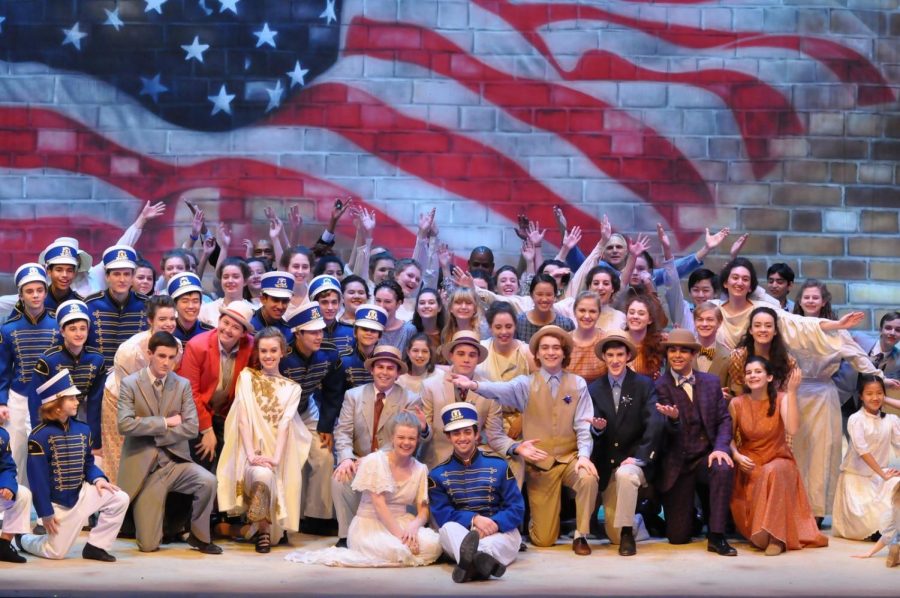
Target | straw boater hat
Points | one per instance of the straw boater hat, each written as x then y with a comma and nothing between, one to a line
617,336
241,312
681,337
458,415
464,337
564,337
386,353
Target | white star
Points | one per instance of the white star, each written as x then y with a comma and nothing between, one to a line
297,75
154,5
112,19
328,14
204,8
228,5
1,23
152,87
195,49
265,36
74,36
274,96
222,101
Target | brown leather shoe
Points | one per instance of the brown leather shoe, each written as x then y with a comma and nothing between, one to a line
581,547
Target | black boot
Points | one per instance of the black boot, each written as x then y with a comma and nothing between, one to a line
8,554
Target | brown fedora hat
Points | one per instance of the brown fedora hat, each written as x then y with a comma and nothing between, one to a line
564,337
464,337
681,337
386,353
619,337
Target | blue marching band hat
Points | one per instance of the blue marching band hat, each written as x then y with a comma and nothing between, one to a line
322,283
184,282
60,254
308,318
120,256
371,316
72,309
458,415
30,272
58,386
278,284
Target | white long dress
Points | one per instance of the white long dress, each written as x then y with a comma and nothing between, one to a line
369,542
863,497
265,405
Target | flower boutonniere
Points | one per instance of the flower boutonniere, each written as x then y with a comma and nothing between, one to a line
626,400
567,399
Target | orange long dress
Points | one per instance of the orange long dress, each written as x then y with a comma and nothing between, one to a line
770,500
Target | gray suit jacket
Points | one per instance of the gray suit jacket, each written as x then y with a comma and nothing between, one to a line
353,431
437,393
142,422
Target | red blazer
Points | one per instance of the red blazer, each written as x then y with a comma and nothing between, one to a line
200,365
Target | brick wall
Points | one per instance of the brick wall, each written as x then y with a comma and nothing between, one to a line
804,158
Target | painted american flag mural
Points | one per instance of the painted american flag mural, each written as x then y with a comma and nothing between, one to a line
674,111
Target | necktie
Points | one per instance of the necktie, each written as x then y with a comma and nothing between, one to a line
553,382
379,407
708,352
617,393
461,394
157,388
878,360
682,380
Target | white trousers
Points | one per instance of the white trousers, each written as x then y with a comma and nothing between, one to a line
112,507
620,500
17,512
503,546
316,495
19,427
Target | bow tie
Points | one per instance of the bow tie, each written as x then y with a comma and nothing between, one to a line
708,352
686,380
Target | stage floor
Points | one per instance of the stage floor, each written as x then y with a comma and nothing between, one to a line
658,570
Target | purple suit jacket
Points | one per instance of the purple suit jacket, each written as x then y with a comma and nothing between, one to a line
714,417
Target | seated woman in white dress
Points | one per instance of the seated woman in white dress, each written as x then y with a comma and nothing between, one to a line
867,481
384,533
266,446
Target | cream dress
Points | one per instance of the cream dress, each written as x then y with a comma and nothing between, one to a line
369,542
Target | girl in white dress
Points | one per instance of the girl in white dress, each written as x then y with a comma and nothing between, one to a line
383,533
866,483
266,446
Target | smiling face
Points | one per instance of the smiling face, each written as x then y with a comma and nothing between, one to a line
233,280
174,265
616,359
637,317
188,306
229,331
702,291
755,376
366,338
382,270
872,397
602,285
640,268
550,353
75,333
462,308
464,359
299,268
68,406
273,307
587,312
811,302
427,306
256,271
507,283
889,334
409,279
503,329
464,441
762,329
738,282
386,299
309,341
142,281
384,374
164,320
706,323
354,296
419,354
329,304
680,359
543,297
270,353
61,276
615,252
778,286
405,440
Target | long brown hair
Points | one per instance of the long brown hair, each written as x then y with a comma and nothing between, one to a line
771,389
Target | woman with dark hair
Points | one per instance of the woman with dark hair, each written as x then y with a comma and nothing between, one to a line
429,317
389,296
505,288
233,276
814,300
330,265
769,503
408,274
763,339
298,261
419,356
266,446
355,292
144,278
130,357
543,291
258,266
604,282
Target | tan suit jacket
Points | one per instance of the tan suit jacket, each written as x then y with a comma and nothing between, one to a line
353,431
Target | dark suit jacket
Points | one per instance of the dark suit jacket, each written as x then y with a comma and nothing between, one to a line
634,431
714,418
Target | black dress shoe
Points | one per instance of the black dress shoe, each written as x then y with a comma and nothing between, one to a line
465,569
627,546
341,543
487,566
93,553
204,547
720,546
8,554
